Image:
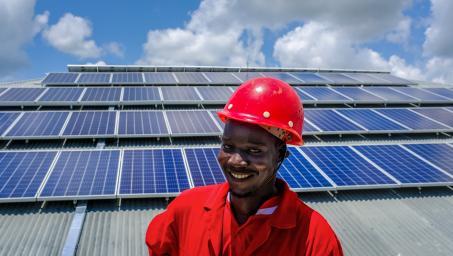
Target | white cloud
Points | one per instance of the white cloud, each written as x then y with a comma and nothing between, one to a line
439,39
114,48
18,26
401,33
98,63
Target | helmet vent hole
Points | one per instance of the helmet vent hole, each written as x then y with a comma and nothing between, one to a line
266,114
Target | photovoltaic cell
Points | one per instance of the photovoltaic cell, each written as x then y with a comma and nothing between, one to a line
204,167
217,118
338,78
402,165
438,114
180,93
309,128
156,171
310,78
391,78
21,94
191,78
21,173
222,78
345,167
83,174
141,94
324,94
91,123
420,94
358,95
142,123
323,118
299,173
371,120
215,93
37,124
390,95
244,76
191,123
6,119
283,76
441,91
438,154
102,94
366,78
60,78
127,78
61,95
159,78
94,78
411,119
303,96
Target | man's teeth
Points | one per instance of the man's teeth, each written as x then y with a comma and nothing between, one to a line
240,175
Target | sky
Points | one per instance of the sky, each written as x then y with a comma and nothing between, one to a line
410,38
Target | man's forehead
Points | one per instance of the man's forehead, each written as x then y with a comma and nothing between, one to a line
250,132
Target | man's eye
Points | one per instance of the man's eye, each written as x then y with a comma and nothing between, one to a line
254,151
226,147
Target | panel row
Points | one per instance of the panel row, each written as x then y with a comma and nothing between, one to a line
187,123
69,96
95,174
234,78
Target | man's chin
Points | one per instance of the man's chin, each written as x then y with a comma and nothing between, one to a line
240,194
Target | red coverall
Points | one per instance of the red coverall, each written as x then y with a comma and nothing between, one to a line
193,225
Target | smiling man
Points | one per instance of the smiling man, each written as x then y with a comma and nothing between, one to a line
254,212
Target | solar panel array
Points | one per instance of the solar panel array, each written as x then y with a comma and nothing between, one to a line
94,174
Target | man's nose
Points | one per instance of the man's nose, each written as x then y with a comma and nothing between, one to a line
237,160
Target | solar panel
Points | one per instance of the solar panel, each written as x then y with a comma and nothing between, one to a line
411,119
391,78
21,94
222,78
345,167
324,94
390,95
94,78
371,120
303,96
402,165
441,91
61,95
329,121
204,167
21,173
180,94
244,76
218,94
425,96
157,171
60,78
127,78
438,154
283,76
149,123
438,114
2,90
91,124
39,124
6,119
365,78
83,174
216,117
159,78
309,128
191,78
188,122
300,174
358,95
310,78
141,94
338,78
102,94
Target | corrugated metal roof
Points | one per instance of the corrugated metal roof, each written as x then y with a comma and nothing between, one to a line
25,230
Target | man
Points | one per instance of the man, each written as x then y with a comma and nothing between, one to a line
253,213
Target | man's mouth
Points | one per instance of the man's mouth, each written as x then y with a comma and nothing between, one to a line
240,176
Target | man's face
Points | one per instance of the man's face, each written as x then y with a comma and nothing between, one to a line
248,157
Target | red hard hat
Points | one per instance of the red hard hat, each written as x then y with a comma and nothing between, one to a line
268,102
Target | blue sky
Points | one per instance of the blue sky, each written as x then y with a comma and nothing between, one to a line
408,38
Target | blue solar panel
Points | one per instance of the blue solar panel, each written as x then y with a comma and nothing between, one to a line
411,119
127,78
358,95
159,78
6,119
390,95
94,78
83,174
328,121
216,117
191,78
36,124
21,94
215,93
91,123
438,114
62,95
157,171
60,78
300,174
303,96
102,94
222,78
145,94
402,165
244,76
440,155
310,78
204,167
309,128
338,78
441,91
345,167
420,94
283,76
324,94
180,94
366,78
371,120
187,122
147,123
391,78
21,173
